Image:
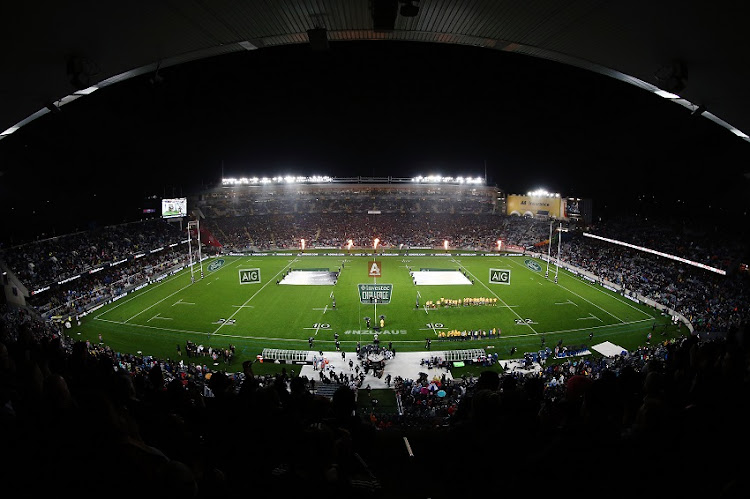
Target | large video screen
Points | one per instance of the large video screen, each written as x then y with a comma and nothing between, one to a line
572,208
173,207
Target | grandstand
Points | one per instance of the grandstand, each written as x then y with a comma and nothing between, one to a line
446,399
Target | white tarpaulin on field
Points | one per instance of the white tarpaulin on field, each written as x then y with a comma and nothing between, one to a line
309,278
439,277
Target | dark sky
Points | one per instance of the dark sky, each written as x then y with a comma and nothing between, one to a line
363,108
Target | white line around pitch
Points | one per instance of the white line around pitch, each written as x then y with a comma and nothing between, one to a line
500,299
255,294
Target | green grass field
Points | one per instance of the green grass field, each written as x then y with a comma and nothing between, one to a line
263,314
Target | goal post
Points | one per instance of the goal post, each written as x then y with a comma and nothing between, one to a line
195,224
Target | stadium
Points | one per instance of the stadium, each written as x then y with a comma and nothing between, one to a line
391,335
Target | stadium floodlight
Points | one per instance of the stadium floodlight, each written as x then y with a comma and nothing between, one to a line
666,95
439,179
10,130
658,253
543,193
86,91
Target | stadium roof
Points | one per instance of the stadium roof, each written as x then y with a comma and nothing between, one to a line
508,71
55,53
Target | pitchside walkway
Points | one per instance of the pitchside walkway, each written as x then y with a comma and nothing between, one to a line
407,365
404,364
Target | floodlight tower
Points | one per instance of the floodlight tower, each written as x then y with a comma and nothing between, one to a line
197,225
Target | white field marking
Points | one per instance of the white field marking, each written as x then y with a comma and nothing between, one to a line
244,306
616,298
158,302
580,329
625,302
324,309
148,289
591,303
584,299
180,302
569,302
156,327
318,328
254,295
433,329
157,316
251,337
152,288
591,316
476,279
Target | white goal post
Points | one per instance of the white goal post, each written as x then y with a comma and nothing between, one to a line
197,225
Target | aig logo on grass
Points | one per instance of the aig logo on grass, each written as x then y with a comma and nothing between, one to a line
249,276
500,276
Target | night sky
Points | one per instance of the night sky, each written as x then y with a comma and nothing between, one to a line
372,109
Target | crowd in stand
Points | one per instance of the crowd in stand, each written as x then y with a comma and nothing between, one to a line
671,416
161,424
339,199
395,231
709,300
41,263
